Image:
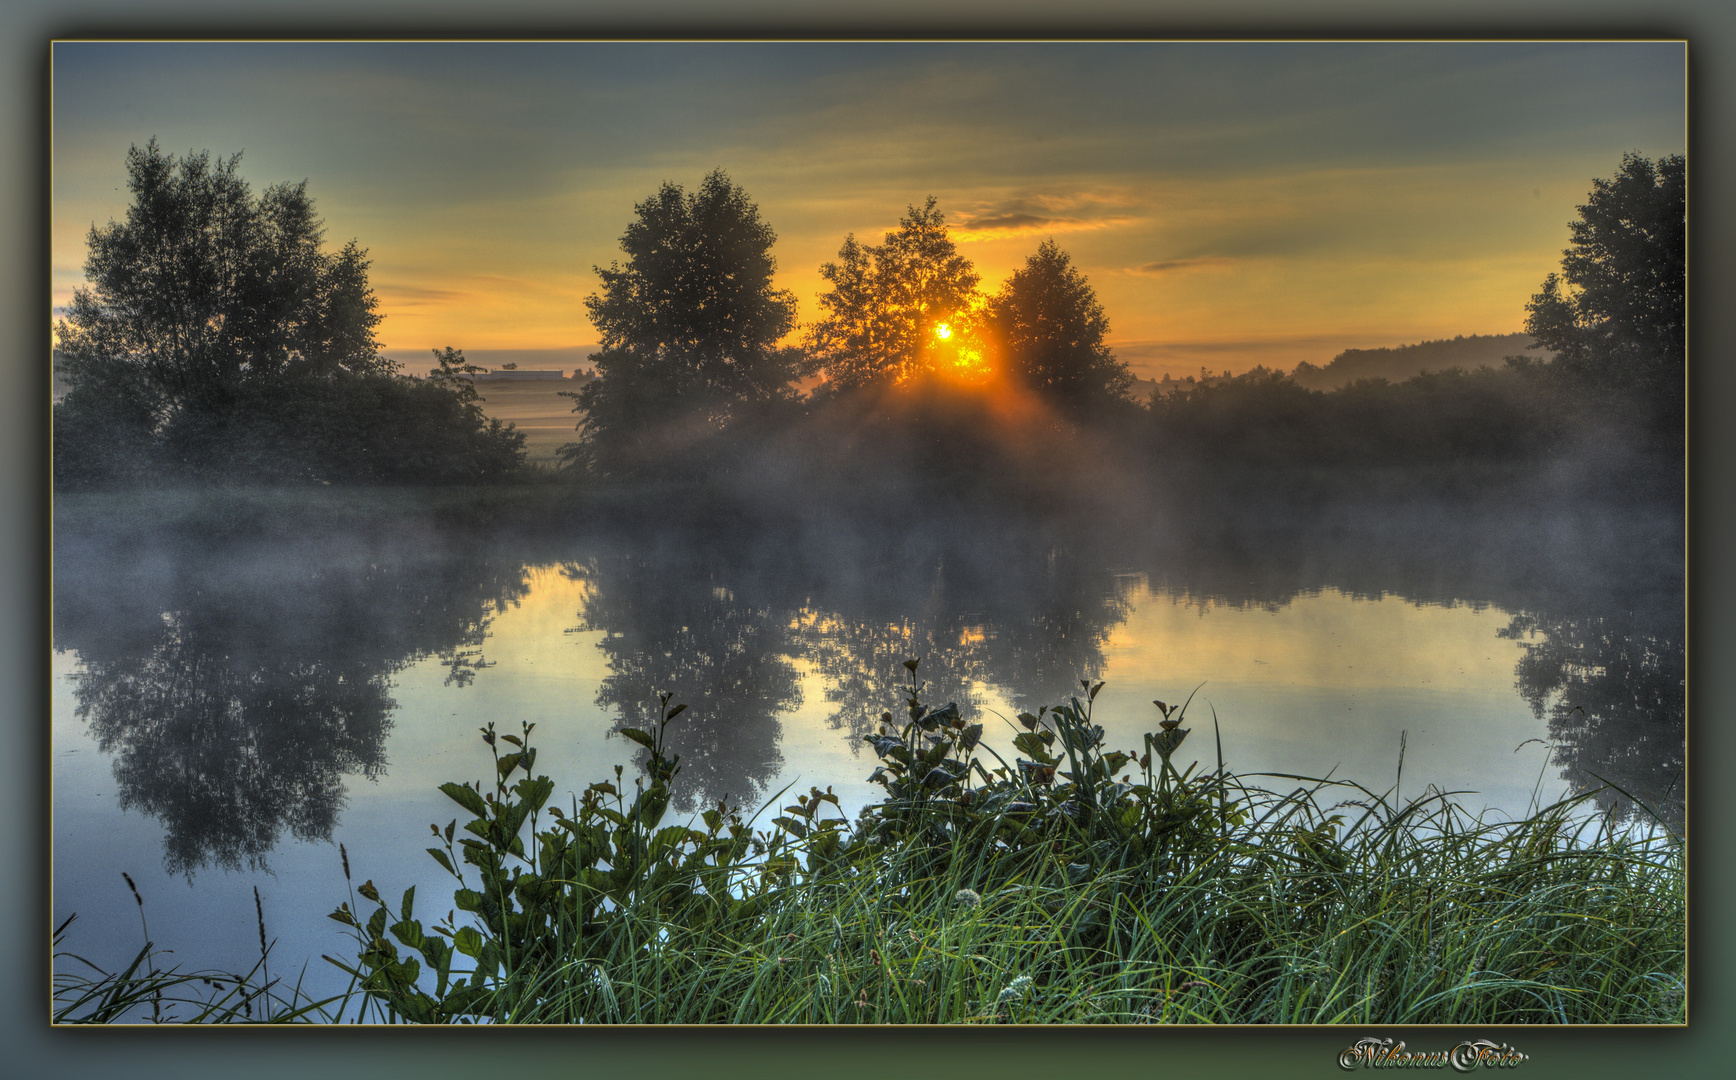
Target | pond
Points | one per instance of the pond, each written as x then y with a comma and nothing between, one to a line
226,712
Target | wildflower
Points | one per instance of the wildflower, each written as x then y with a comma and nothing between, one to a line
1014,990
967,898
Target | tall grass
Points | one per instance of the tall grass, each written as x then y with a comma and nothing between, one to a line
144,992
1079,885
1055,891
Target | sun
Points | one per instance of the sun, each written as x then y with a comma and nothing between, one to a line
943,331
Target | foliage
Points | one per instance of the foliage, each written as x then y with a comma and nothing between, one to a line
886,302
1435,421
552,911
689,328
1050,891
217,341
1049,328
203,283
1616,314
1468,352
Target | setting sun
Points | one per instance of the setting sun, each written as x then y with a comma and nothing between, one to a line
943,331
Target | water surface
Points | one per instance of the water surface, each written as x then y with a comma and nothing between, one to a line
227,712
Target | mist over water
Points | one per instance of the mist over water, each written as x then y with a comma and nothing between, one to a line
231,703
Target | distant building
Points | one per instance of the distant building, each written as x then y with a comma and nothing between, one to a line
518,376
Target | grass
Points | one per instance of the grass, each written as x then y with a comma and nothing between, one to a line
143,992
1077,886
1486,924
1158,897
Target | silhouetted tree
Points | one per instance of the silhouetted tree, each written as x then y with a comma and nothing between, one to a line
1616,312
886,302
1050,329
203,283
689,328
217,338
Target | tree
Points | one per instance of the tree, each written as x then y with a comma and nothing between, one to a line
689,326
886,303
1616,314
217,339
205,285
1050,329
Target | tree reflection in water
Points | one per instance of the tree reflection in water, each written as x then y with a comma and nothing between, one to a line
726,624
239,684
236,693
1027,623
673,626
1613,689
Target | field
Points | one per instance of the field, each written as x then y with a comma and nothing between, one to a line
537,408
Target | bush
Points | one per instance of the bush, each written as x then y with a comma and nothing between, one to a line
357,429
1049,890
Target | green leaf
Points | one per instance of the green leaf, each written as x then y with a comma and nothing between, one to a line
642,738
465,796
533,793
1033,743
440,857
409,931
468,941
650,805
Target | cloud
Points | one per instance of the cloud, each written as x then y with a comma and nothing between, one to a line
400,293
1013,221
1042,213
1203,262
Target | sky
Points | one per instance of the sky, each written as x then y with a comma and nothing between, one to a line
1232,204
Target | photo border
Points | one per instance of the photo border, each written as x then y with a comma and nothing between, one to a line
1579,1052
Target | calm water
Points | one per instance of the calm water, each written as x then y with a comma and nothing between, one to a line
225,713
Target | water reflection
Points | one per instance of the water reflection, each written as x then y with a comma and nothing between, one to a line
1027,623
726,621
1613,688
675,626
238,686
236,695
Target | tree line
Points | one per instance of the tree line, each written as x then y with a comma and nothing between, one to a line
218,338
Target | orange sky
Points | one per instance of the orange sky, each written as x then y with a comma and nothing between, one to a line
1231,204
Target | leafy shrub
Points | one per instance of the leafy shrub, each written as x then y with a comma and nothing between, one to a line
1051,889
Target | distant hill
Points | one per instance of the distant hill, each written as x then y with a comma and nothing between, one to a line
1404,361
